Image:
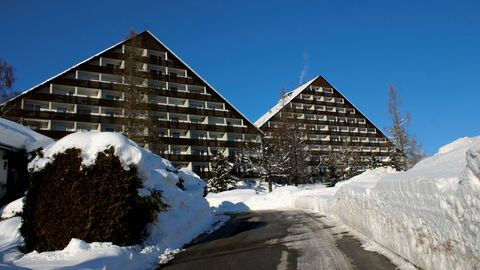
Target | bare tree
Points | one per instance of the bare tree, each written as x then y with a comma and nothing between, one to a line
405,142
263,159
137,115
7,79
290,137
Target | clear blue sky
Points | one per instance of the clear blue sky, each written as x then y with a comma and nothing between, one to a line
248,50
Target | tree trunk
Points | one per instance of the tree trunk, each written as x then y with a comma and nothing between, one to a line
269,180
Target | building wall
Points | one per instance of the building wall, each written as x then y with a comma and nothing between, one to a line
190,120
329,120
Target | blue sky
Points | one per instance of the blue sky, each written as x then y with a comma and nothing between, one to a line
248,50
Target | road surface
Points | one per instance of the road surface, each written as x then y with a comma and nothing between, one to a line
277,240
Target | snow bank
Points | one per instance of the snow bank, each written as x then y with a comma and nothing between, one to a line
21,137
188,215
429,215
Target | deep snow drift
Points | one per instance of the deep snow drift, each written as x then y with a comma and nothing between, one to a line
189,213
429,215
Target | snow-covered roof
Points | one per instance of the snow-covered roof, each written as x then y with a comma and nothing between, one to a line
282,102
19,137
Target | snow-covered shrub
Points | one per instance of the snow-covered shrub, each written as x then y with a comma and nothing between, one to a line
188,213
221,179
96,203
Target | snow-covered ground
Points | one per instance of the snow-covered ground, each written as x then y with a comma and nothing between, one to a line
188,215
429,215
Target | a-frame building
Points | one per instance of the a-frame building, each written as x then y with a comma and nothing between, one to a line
190,122
329,121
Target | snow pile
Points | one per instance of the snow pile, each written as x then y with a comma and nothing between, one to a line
188,215
247,196
20,137
429,215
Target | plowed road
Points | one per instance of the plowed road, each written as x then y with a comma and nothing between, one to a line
277,240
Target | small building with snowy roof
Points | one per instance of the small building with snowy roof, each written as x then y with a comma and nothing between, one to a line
17,144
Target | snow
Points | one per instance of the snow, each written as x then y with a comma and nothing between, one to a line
429,215
188,215
290,96
20,137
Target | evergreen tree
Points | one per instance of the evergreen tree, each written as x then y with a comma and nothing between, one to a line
373,162
397,160
221,180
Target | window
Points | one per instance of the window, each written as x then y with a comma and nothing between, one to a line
112,97
84,111
32,107
62,109
176,151
174,89
213,137
175,135
174,119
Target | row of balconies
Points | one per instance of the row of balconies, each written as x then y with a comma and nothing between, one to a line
179,114
323,116
315,107
327,99
319,89
327,127
337,148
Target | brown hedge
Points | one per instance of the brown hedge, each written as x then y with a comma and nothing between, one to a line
66,200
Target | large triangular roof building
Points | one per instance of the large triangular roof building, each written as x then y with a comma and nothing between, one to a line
328,120
192,120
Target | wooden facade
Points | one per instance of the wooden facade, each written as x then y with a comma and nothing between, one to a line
191,120
329,122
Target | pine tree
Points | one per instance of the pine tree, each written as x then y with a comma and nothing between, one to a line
397,160
373,162
221,180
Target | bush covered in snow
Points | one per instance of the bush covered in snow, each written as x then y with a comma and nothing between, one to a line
188,213
98,203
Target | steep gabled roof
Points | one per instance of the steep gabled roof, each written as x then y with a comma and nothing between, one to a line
203,80
291,95
119,44
282,102
61,73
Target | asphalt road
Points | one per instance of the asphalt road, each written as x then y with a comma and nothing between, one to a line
277,240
